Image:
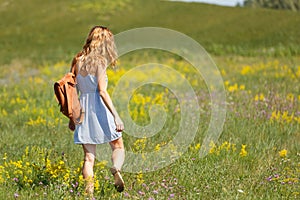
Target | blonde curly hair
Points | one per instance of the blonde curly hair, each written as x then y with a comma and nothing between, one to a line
98,50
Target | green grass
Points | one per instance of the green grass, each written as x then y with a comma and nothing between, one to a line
55,30
30,118
233,30
50,30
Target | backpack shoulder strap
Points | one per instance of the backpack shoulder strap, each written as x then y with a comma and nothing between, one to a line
74,63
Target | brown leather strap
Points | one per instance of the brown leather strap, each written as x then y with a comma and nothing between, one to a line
74,63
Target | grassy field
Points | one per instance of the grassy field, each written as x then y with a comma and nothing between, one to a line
256,157
55,30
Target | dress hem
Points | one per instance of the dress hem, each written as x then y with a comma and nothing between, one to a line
98,142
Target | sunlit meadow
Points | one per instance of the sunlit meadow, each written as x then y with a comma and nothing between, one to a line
256,157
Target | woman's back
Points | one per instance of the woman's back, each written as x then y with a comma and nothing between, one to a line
87,84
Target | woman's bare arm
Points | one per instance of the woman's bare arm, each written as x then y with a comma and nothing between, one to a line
102,86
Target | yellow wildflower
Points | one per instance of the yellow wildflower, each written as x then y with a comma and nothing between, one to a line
226,145
197,147
243,151
139,178
4,113
66,176
223,72
80,179
290,97
26,151
38,121
139,144
102,164
275,116
157,147
286,117
259,97
97,185
283,153
48,164
233,88
246,70
212,147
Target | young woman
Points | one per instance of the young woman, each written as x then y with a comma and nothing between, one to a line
102,123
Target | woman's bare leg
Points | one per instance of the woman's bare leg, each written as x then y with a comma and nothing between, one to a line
118,153
88,165
118,157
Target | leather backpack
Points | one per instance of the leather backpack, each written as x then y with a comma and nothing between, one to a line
67,97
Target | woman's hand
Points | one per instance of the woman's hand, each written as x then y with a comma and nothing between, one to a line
71,125
119,124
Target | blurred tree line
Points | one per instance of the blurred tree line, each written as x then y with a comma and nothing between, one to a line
293,5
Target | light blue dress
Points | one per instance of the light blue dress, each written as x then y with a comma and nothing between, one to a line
98,125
